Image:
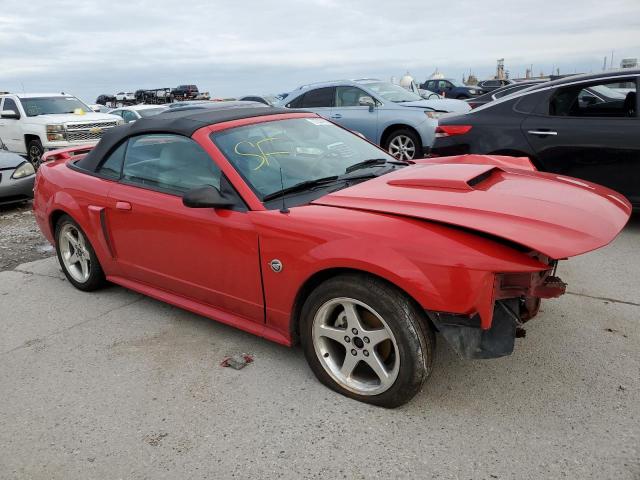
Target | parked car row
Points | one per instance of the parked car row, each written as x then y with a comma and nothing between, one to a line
153,96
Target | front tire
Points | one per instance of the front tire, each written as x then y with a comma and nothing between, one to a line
365,339
35,152
404,144
77,257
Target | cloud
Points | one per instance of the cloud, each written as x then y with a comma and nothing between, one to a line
232,48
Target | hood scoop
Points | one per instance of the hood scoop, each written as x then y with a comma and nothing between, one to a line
454,177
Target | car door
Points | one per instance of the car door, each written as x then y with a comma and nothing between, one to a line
318,100
350,113
593,141
444,88
10,129
208,255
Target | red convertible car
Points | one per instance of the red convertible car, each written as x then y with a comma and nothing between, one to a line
287,226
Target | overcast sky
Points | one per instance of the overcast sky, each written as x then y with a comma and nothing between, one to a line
244,46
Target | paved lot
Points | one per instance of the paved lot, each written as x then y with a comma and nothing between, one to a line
114,385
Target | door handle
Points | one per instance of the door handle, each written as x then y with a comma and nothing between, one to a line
123,206
542,133
336,115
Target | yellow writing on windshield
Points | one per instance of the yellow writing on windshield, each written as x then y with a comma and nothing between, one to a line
261,156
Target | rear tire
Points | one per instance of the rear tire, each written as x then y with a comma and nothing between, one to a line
365,339
77,257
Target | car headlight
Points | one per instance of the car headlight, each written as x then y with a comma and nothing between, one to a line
24,170
473,92
56,133
434,115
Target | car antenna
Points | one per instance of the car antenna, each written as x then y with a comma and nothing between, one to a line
284,208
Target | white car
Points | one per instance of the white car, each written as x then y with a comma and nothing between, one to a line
31,123
125,97
136,112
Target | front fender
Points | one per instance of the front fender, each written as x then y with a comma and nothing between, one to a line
441,268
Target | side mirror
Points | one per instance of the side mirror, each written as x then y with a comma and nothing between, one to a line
10,114
367,101
95,108
206,197
589,100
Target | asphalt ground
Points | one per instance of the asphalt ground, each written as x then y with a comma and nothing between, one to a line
111,385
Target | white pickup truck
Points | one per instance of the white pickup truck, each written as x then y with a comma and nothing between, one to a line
32,123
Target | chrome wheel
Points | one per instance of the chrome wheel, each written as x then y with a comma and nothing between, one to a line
355,346
74,253
402,147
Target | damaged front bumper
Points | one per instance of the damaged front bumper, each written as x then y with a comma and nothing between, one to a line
515,299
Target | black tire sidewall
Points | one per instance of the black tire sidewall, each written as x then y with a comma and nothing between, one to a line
408,133
96,275
414,337
35,143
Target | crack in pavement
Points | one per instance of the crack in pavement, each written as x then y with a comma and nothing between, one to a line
606,299
29,343
27,272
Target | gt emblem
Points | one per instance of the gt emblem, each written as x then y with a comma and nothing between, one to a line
95,130
276,265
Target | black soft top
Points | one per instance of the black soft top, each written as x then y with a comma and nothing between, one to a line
181,121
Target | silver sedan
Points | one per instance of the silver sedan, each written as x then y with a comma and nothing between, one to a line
16,177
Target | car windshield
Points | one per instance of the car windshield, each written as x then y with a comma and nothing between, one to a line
52,105
276,154
393,93
457,83
149,112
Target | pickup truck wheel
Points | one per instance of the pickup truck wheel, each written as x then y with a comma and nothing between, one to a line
367,340
77,257
404,145
35,152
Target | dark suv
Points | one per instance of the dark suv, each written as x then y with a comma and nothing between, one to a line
583,126
185,91
450,88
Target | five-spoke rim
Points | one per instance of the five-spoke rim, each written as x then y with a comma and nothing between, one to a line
74,253
402,147
355,346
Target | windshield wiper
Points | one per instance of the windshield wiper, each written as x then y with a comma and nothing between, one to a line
300,187
372,162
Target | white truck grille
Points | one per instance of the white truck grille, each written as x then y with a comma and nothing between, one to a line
86,132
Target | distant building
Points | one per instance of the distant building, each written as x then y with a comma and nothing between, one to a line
629,63
500,70
436,75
